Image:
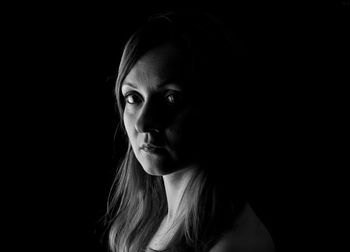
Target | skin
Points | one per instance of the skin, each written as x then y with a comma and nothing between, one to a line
249,235
159,112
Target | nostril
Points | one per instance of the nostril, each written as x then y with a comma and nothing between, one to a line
146,128
146,125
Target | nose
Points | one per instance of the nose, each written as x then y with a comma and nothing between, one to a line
149,119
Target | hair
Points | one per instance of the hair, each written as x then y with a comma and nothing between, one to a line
137,202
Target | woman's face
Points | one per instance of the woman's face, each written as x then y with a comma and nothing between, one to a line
159,115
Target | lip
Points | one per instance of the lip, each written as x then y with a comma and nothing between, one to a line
151,148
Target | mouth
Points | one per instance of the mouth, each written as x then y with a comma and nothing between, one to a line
150,148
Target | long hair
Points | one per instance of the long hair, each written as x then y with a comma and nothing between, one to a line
137,201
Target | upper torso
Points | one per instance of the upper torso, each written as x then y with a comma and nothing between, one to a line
248,234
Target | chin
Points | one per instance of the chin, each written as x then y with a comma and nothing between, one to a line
156,169
153,172
150,169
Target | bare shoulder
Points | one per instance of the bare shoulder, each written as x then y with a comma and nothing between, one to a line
249,235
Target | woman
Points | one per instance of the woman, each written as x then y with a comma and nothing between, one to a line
177,89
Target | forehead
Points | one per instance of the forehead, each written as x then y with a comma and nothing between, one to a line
158,65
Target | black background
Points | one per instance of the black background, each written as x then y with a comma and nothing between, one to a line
65,57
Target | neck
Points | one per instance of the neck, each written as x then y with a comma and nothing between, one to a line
175,185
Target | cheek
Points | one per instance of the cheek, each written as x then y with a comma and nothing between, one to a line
129,124
186,130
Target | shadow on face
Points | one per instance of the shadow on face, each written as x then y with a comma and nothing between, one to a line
164,109
183,94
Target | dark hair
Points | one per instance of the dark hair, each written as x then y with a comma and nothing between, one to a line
137,200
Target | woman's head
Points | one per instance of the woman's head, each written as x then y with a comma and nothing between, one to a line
158,114
176,89
173,90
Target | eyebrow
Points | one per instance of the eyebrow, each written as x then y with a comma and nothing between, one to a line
162,84
129,84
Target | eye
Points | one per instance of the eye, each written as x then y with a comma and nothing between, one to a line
173,98
132,98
